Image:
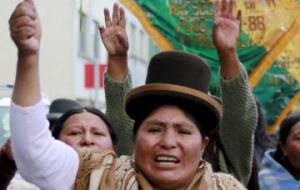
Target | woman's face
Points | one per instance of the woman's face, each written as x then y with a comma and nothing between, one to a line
169,148
291,149
86,130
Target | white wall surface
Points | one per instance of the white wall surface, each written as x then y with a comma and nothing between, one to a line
61,68
56,54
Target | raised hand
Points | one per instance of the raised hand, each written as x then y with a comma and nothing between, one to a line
225,35
114,34
226,26
25,31
25,28
115,40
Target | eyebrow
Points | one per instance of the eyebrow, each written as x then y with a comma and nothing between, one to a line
163,124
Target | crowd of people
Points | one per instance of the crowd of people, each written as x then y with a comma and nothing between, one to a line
168,134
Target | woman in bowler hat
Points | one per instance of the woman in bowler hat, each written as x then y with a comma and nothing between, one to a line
230,148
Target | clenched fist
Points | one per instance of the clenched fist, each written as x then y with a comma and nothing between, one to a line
25,28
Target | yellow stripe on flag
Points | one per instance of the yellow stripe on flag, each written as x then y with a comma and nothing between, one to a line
161,41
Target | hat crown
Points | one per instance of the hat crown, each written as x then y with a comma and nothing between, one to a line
176,78
60,106
179,68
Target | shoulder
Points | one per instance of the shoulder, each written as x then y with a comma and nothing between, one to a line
226,181
269,165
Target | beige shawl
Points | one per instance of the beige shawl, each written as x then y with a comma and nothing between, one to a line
106,172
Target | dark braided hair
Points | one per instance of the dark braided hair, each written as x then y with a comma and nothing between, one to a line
285,127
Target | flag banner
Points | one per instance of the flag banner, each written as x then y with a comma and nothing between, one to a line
268,45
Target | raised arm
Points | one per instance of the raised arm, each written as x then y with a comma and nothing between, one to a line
240,114
25,30
225,34
117,78
39,158
114,38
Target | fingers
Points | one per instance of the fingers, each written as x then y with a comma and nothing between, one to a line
216,10
23,21
24,9
115,15
230,10
122,21
22,33
107,18
101,30
25,28
225,10
118,16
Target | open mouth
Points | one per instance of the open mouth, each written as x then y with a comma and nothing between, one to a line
166,159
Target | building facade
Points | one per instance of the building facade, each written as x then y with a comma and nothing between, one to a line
68,56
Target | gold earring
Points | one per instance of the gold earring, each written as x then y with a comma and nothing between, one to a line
201,165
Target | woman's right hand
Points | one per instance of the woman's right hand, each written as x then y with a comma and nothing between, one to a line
25,28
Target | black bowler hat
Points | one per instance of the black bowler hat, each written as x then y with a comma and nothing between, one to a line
177,78
59,106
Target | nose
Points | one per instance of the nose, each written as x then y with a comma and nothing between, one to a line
87,140
168,140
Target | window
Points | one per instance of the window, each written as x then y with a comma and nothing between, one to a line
82,49
96,41
133,40
89,39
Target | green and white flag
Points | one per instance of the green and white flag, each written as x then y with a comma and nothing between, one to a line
268,46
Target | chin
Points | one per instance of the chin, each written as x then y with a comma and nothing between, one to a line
166,179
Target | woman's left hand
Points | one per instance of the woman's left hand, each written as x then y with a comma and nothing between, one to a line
226,27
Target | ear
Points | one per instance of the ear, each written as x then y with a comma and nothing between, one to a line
282,147
205,142
115,148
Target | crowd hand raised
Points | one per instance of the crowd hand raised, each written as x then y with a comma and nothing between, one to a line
225,35
114,35
115,40
25,28
226,27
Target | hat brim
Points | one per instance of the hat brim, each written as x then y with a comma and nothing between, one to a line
54,116
204,107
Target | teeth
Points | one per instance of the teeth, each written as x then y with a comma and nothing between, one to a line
166,159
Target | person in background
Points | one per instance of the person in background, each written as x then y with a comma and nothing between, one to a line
58,107
231,146
281,166
86,127
69,122
263,141
11,180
